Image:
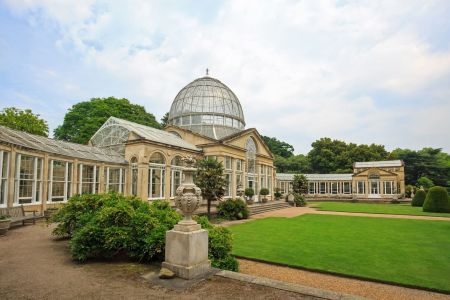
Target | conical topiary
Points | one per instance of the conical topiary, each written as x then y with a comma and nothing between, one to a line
419,198
437,200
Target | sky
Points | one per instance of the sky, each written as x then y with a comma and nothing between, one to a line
358,71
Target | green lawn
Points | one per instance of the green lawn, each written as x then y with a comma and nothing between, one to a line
375,208
412,252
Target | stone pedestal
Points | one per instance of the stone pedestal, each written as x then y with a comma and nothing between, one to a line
187,251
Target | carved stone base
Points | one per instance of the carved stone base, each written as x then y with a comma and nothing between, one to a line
187,251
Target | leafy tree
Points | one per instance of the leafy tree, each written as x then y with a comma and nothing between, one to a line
85,118
429,162
300,184
293,164
425,182
278,147
209,178
23,120
165,120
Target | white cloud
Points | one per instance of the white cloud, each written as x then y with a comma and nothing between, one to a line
302,70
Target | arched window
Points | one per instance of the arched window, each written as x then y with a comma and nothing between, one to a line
177,173
175,134
134,176
156,175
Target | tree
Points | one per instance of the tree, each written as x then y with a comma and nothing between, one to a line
85,118
278,147
300,184
165,120
425,182
429,162
23,120
209,178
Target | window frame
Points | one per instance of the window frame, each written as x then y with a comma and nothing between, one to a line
36,180
4,179
67,181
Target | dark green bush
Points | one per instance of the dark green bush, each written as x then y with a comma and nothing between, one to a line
437,200
277,193
249,192
220,244
264,192
419,198
233,209
299,200
105,225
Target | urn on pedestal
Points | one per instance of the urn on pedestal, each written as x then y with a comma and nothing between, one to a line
187,244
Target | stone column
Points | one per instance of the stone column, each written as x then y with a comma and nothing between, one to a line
187,244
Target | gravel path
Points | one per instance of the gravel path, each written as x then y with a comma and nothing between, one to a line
33,266
335,283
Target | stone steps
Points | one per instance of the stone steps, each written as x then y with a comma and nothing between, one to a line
262,208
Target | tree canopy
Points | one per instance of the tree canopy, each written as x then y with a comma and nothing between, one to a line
85,118
278,147
23,120
165,120
209,178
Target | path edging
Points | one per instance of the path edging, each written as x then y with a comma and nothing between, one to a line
289,287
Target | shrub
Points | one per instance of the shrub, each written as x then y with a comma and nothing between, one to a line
4,217
419,198
220,244
249,192
425,182
408,190
264,192
277,193
105,225
437,200
299,200
233,209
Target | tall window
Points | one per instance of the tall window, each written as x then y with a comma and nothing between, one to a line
59,180
28,179
228,163
238,164
251,155
323,187
388,187
156,175
4,171
114,179
134,176
228,185
334,187
312,189
346,187
269,179
88,179
361,187
177,173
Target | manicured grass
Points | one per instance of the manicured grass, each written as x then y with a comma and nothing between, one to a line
375,208
411,252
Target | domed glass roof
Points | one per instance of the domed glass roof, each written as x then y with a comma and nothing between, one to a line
209,107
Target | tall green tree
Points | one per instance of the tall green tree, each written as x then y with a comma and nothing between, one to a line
85,118
23,120
300,184
209,178
428,162
278,147
165,120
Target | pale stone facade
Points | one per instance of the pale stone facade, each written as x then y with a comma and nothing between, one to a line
382,180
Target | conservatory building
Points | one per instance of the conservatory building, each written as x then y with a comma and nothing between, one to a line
205,120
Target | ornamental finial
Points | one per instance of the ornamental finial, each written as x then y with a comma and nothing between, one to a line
207,72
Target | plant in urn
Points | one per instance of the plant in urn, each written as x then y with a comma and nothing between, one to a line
188,196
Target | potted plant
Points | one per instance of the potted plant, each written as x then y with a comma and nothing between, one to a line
49,212
277,193
5,222
249,193
264,192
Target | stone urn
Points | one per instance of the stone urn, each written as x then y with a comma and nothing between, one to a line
5,223
186,253
188,195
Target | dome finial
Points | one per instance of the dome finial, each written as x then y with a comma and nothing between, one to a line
207,72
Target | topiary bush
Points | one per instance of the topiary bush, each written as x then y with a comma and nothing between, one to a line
437,200
233,209
299,200
105,225
220,244
419,198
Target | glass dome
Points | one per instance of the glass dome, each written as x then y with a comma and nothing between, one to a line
209,107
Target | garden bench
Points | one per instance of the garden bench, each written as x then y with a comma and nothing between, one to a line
17,214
